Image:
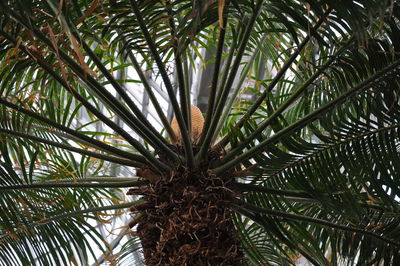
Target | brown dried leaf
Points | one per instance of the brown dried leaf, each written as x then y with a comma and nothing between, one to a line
79,55
13,52
88,12
32,97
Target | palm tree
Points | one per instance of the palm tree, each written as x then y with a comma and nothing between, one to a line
297,157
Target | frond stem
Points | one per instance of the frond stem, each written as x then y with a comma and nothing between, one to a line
168,85
89,210
142,121
87,140
256,218
223,142
258,188
335,144
243,74
85,77
261,127
375,78
183,93
50,185
296,217
152,96
93,179
225,91
214,82
73,149
157,165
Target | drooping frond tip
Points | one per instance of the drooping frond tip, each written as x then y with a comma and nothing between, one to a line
197,121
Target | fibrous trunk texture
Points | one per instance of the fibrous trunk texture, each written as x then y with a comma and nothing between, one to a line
186,220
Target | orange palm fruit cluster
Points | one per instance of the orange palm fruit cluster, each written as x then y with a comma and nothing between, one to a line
197,120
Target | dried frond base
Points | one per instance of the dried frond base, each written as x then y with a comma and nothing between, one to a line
185,221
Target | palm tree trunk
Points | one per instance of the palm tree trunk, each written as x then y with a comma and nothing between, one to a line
187,221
